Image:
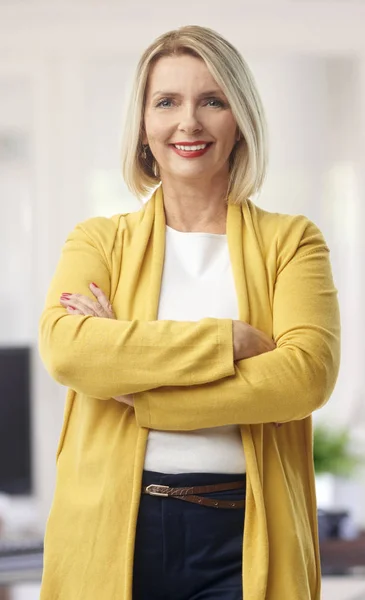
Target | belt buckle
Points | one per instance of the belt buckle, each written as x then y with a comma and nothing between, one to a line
157,490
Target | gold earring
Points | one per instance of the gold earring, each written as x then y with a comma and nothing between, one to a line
144,153
155,169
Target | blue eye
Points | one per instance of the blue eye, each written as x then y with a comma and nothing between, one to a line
167,103
219,103
162,104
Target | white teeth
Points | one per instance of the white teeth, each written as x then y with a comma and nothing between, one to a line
191,148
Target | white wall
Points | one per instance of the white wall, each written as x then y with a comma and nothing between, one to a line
63,87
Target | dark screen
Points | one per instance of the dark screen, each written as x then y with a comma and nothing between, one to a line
15,453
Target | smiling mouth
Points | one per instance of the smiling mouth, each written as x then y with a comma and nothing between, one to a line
191,148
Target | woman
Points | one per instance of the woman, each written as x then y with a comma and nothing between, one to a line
209,322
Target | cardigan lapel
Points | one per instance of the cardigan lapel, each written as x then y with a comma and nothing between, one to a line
158,254
249,270
255,272
235,232
136,289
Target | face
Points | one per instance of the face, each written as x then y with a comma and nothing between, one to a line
189,125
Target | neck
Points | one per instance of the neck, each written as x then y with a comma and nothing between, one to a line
194,208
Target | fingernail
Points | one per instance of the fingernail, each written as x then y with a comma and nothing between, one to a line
72,307
65,295
94,284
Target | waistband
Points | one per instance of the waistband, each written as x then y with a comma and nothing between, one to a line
187,486
189,479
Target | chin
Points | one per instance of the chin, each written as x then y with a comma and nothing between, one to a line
187,170
190,174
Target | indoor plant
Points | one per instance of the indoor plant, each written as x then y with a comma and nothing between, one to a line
334,458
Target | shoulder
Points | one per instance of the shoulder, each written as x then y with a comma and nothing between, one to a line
104,232
287,235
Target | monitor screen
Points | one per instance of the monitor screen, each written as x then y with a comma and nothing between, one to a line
15,445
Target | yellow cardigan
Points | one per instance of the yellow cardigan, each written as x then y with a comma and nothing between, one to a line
183,377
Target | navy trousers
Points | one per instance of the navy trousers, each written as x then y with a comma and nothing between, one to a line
186,551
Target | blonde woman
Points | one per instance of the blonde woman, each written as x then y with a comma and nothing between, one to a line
186,333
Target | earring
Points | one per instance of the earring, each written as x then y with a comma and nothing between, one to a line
144,153
155,169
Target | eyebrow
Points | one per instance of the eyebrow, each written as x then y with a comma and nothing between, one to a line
202,95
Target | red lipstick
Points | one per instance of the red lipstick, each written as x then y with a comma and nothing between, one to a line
191,153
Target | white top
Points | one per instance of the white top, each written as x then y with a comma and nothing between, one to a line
197,282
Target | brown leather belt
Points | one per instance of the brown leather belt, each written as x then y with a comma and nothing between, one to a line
189,494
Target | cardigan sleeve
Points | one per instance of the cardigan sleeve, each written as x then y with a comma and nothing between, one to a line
103,358
286,384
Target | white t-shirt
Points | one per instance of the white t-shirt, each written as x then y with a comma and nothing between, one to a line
197,282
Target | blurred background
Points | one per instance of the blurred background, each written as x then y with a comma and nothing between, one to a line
65,75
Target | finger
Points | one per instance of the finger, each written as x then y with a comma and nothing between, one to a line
73,311
86,305
81,303
102,299
77,300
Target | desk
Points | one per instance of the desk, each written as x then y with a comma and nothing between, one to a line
343,554
23,567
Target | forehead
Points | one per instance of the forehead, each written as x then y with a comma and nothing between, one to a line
174,73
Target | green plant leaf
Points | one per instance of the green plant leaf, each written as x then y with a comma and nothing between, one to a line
332,452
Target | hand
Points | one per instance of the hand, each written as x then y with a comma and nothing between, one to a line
77,304
249,341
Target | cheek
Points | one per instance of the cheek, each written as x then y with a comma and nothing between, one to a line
155,141
228,129
157,130
222,126
155,135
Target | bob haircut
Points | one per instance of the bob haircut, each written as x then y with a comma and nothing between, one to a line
248,159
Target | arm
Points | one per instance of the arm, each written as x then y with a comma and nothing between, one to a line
104,358
286,384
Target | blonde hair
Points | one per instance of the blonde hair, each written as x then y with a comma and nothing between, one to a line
248,159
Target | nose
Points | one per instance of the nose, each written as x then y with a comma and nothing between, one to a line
189,122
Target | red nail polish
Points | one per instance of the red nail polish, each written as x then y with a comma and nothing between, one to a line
72,307
94,284
65,295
